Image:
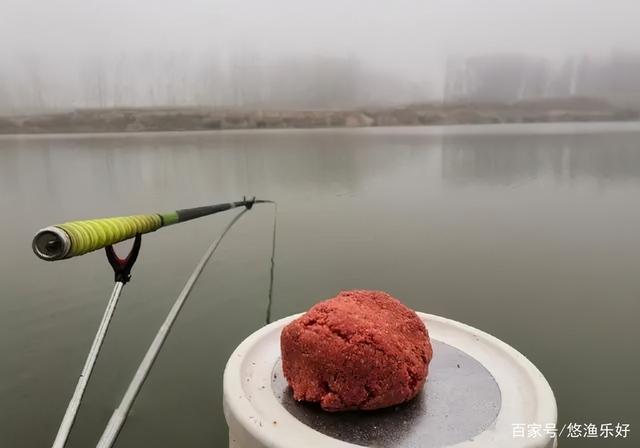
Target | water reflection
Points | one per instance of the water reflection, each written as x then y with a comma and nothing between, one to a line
514,159
96,169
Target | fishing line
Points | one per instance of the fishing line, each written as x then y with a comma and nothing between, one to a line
273,263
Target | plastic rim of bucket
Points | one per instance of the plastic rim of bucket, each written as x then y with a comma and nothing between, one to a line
256,418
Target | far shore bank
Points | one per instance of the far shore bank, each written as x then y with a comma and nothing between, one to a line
206,119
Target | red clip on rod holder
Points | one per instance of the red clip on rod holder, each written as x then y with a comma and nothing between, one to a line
122,266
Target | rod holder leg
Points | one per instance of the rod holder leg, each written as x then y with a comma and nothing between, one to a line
76,399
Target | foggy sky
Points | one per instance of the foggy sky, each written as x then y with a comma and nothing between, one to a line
56,40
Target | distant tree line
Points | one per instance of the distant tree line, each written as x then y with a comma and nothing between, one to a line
247,79
513,77
177,79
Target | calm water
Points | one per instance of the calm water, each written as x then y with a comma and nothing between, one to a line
531,233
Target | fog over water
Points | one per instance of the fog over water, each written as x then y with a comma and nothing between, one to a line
284,53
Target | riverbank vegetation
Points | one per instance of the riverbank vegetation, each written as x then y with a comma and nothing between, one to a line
199,119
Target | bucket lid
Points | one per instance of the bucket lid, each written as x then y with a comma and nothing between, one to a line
478,387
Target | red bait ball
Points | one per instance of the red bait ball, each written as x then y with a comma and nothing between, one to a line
359,350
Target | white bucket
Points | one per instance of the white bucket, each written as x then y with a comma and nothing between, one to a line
480,392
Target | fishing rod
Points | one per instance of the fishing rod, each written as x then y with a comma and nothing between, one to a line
77,238
80,237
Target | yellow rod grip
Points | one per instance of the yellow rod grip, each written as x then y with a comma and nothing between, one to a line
94,234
